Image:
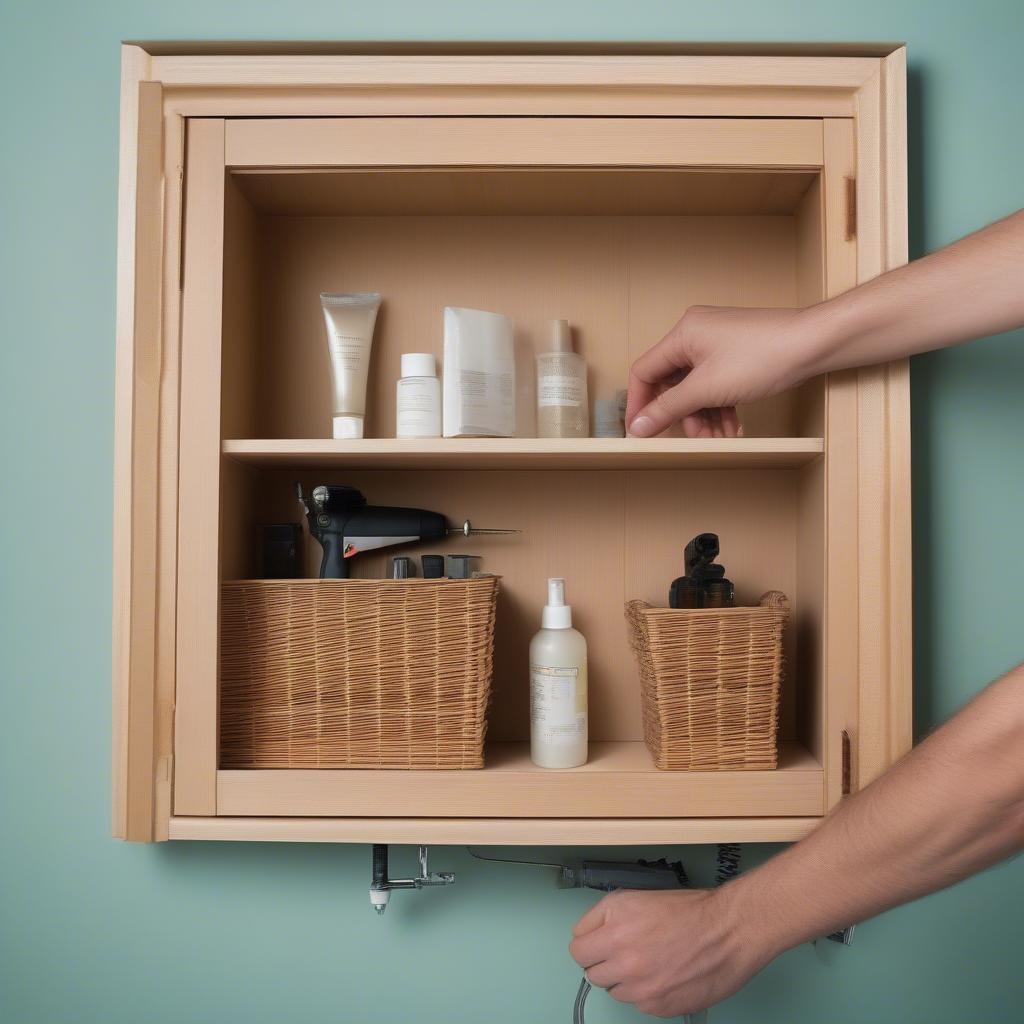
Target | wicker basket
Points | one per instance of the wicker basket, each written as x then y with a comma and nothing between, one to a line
355,673
710,682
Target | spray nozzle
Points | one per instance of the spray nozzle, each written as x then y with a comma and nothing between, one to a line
557,614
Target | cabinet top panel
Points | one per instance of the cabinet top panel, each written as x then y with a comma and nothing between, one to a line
183,48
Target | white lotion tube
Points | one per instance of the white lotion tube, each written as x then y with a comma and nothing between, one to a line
350,320
558,687
479,392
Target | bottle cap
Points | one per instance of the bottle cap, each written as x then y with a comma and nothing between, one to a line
607,420
347,428
561,336
557,614
433,567
418,364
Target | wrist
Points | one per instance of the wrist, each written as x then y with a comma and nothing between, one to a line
755,917
819,334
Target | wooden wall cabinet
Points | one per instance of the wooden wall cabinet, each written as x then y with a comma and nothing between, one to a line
611,186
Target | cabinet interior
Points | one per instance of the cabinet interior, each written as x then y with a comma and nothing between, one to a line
620,253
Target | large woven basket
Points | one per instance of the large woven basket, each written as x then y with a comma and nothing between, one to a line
355,673
710,681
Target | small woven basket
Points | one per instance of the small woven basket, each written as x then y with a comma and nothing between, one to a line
355,673
710,680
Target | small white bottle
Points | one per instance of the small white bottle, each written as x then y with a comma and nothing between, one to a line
418,397
558,687
562,406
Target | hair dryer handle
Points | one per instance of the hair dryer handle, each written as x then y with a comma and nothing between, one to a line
334,565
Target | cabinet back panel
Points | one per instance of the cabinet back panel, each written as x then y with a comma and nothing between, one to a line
621,281
614,535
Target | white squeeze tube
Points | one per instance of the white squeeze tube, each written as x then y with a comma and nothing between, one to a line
350,320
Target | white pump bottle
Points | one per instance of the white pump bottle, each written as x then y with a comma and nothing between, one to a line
558,686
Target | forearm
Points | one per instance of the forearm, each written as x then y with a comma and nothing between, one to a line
953,806
970,289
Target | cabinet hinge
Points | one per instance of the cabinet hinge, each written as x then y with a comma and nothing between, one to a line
851,209
846,764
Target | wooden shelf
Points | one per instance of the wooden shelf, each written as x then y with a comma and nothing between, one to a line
531,453
619,780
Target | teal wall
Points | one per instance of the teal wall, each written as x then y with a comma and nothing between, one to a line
93,931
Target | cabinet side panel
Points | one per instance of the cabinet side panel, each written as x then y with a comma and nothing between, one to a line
884,447
842,539
136,456
894,94
195,720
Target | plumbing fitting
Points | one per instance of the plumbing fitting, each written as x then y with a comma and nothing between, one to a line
381,886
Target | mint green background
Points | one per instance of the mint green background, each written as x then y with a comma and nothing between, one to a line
94,931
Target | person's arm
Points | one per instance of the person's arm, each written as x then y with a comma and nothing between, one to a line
718,357
951,807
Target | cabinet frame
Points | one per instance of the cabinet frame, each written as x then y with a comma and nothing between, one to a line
160,92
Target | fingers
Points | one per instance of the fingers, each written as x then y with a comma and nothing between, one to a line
604,975
678,403
731,422
590,949
660,361
593,918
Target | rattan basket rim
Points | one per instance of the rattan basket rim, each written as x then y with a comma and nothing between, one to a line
771,602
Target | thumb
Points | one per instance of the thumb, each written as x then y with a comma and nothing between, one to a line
689,396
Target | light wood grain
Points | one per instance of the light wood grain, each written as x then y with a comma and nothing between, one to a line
618,781
884,695
523,141
496,831
901,651
136,399
510,101
167,518
529,453
516,70
525,192
195,740
839,589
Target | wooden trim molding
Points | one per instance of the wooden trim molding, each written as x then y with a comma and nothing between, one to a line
137,375
515,70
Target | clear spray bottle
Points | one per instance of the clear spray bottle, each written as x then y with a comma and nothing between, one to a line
558,686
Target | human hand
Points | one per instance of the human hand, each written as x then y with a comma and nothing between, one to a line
715,358
668,953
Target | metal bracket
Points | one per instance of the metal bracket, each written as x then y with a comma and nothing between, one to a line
382,886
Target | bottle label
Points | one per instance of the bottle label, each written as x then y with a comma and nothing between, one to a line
561,379
418,407
554,700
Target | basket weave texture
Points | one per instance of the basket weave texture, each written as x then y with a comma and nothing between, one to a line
710,680
355,673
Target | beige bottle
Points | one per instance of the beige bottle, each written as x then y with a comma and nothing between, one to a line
558,687
562,406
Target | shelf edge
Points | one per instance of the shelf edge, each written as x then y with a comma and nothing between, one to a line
496,831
